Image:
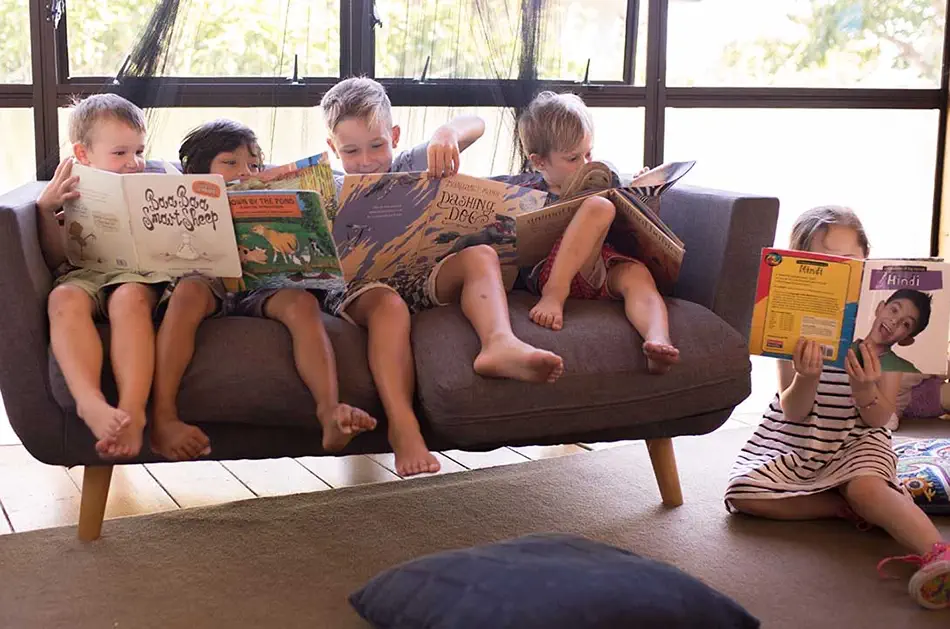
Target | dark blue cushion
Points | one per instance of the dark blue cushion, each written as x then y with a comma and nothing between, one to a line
549,581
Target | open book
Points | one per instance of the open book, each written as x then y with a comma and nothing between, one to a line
637,231
395,223
310,173
900,307
141,222
284,240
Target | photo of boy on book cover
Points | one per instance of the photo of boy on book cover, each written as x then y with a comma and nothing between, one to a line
897,322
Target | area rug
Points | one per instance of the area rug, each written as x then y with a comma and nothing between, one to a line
290,562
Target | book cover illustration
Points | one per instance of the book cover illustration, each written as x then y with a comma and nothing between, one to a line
310,173
393,222
640,234
174,224
803,294
284,240
903,314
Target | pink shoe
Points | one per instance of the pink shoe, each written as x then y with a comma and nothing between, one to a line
930,585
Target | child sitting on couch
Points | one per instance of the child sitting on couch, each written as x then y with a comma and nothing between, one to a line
107,132
362,135
230,149
557,135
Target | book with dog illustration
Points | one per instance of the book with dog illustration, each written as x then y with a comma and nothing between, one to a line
900,308
637,231
397,222
310,173
147,222
284,240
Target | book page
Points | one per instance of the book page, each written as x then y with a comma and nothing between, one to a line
182,223
310,173
381,221
636,234
904,312
98,235
470,211
803,294
284,240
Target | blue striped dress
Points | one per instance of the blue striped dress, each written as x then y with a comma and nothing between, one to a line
828,448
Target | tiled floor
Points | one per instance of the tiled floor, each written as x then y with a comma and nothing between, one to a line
34,495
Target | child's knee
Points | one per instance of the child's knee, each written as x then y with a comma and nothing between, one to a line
864,489
191,294
388,305
131,300
291,306
478,258
597,210
631,277
69,301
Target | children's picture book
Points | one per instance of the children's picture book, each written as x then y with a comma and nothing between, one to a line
150,222
284,240
394,223
900,308
311,173
638,230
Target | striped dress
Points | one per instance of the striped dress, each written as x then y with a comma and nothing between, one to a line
830,447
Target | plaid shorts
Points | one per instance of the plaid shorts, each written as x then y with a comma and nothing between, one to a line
248,303
416,287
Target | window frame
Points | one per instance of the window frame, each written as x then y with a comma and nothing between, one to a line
52,87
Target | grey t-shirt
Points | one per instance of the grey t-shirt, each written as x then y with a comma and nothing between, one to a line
413,160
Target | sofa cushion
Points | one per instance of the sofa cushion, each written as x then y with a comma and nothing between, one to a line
244,372
546,581
605,385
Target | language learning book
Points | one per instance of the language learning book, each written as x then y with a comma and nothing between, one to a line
396,223
150,222
637,231
899,307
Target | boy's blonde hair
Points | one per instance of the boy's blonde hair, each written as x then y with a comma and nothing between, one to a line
554,122
88,112
817,220
356,97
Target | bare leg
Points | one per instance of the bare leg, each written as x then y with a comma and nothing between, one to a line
190,303
578,253
386,317
78,350
827,504
875,501
646,312
316,364
945,397
473,276
133,359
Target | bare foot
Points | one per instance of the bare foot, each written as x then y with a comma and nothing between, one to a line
412,455
548,313
512,358
660,356
127,441
105,422
177,441
341,423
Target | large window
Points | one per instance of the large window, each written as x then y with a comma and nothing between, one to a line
237,38
881,163
806,43
17,161
15,61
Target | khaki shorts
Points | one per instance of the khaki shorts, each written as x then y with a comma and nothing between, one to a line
99,285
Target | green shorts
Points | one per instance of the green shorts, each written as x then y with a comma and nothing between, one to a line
98,285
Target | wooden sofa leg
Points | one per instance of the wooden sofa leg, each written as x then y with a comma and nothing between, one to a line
95,493
664,467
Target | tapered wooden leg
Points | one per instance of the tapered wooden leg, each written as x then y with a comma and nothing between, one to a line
664,467
95,492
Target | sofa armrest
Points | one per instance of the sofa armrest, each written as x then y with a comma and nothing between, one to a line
724,233
24,332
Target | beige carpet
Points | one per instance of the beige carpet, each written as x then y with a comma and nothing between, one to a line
291,562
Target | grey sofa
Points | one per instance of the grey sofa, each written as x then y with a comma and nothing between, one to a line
243,390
